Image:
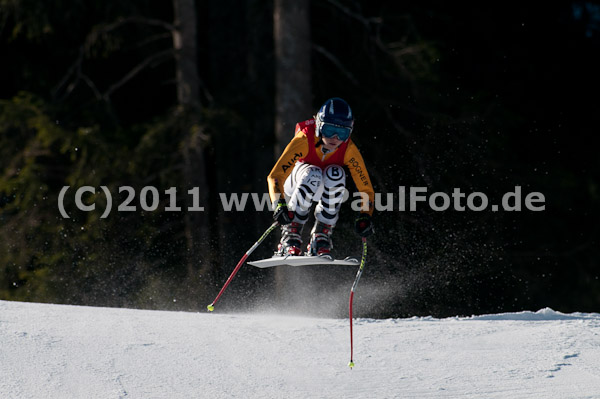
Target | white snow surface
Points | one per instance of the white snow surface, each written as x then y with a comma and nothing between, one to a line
59,351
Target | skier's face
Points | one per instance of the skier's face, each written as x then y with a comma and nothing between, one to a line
331,143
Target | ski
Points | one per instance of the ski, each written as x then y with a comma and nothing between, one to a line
303,261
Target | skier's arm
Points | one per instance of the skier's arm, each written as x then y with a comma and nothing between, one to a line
355,163
295,150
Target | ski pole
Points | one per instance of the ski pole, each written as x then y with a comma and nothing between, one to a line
363,260
211,307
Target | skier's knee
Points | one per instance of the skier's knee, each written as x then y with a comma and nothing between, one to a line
334,176
312,176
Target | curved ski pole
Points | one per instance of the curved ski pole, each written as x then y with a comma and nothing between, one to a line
363,261
211,307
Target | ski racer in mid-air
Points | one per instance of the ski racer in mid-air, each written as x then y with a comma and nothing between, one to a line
311,170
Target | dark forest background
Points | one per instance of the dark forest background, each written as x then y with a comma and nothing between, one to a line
481,96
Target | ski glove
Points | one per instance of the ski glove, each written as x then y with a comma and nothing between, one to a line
282,214
363,225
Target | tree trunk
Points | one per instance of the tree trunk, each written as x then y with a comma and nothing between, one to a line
193,141
261,71
184,42
293,92
292,68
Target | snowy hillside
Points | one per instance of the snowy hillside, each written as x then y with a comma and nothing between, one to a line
52,351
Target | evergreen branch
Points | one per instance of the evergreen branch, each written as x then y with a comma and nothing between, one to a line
336,62
75,74
362,19
134,19
153,59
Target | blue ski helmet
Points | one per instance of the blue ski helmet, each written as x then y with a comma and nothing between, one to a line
334,119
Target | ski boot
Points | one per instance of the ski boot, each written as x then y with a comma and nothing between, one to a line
291,240
320,240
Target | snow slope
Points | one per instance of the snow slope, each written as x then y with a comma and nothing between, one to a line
57,351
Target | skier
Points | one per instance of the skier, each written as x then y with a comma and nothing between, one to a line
311,170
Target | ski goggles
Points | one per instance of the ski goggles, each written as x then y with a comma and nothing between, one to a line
329,130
